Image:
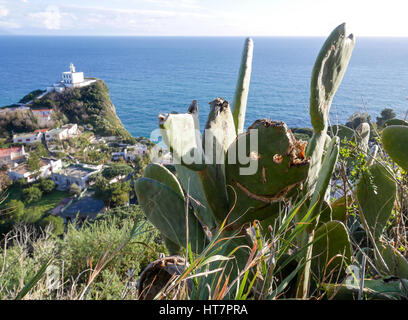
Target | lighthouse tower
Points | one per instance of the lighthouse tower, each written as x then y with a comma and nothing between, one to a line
72,78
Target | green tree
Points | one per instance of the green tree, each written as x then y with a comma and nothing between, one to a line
115,194
32,216
47,185
21,183
386,114
120,194
34,162
57,224
15,210
40,150
116,170
31,194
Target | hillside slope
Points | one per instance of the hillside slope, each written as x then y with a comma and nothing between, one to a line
89,105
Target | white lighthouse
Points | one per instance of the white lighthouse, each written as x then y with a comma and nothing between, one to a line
70,79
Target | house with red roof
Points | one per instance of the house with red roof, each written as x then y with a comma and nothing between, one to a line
43,116
12,155
31,137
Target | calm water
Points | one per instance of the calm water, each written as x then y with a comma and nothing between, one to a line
147,76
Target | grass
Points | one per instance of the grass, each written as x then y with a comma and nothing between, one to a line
45,204
49,201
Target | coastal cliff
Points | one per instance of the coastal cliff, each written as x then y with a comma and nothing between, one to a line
90,105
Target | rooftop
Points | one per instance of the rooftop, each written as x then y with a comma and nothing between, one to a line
56,131
25,135
7,152
42,110
23,168
77,171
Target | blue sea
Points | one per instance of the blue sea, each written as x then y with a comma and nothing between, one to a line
152,75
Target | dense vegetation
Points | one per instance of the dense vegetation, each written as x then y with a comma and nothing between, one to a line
17,121
90,105
101,260
31,96
30,204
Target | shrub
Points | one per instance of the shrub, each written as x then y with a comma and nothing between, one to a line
47,185
15,210
116,170
31,194
386,114
31,96
32,216
57,224
358,118
107,234
74,189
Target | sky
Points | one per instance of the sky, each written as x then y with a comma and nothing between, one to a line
203,17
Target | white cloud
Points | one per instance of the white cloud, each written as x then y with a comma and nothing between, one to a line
51,17
191,4
4,12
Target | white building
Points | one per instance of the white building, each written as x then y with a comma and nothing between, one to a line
12,155
47,167
130,153
65,132
165,159
75,173
70,79
31,137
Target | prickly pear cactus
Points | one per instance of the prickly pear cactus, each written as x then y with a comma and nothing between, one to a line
218,180
395,141
242,89
363,137
327,75
376,194
281,168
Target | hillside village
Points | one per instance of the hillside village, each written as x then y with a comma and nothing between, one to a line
83,171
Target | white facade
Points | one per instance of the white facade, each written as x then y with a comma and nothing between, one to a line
72,129
70,79
31,137
165,159
63,133
78,174
130,152
12,155
48,166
